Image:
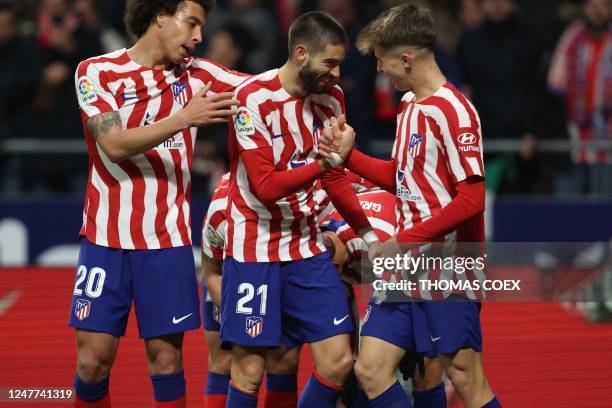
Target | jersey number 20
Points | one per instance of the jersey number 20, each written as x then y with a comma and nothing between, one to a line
95,281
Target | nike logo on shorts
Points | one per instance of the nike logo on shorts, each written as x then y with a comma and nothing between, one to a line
177,321
434,339
337,322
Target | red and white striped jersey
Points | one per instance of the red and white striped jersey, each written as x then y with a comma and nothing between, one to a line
380,208
323,202
215,221
142,202
438,144
270,117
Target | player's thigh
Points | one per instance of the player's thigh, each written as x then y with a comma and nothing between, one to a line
314,302
251,304
164,353
466,360
332,351
378,357
95,349
282,360
102,294
165,291
432,376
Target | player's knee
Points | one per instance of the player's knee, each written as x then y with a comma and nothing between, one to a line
281,363
248,377
165,361
92,368
336,368
368,373
460,378
221,363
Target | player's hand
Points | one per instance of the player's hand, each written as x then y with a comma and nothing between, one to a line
343,136
204,110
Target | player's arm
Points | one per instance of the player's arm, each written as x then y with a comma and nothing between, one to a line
340,137
118,143
469,202
212,260
212,275
257,156
341,193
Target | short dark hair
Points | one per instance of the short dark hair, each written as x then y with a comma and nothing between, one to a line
140,13
405,24
316,30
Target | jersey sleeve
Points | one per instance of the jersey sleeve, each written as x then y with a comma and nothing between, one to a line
248,124
222,78
212,241
92,90
461,138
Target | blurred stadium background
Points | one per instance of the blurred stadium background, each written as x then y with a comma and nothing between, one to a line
548,157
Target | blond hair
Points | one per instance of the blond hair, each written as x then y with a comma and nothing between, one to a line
402,25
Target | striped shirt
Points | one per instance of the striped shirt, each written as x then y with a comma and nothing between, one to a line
287,229
438,144
142,202
215,221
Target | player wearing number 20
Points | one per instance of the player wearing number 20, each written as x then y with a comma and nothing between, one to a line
279,285
141,108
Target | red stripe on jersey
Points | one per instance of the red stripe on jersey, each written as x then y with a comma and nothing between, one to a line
441,169
418,171
160,198
114,188
93,203
180,196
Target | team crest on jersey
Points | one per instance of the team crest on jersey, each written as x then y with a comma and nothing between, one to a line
82,308
179,91
400,176
87,94
254,325
414,145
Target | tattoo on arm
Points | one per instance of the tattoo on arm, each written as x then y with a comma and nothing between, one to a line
101,124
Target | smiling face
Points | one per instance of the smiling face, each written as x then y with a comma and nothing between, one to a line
180,33
396,65
320,71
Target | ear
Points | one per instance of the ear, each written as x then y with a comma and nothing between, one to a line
406,60
300,53
160,20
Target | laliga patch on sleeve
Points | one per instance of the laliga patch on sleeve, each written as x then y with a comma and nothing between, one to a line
87,94
244,123
214,239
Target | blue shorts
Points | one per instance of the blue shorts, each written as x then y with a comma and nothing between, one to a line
211,315
399,323
161,283
289,303
454,325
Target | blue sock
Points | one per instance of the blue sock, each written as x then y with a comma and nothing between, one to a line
494,403
239,399
281,382
318,395
90,392
168,387
394,397
361,399
432,398
217,384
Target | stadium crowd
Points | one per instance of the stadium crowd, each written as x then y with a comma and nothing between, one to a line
536,71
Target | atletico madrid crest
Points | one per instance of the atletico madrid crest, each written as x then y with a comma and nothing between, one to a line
179,91
82,308
414,145
254,325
